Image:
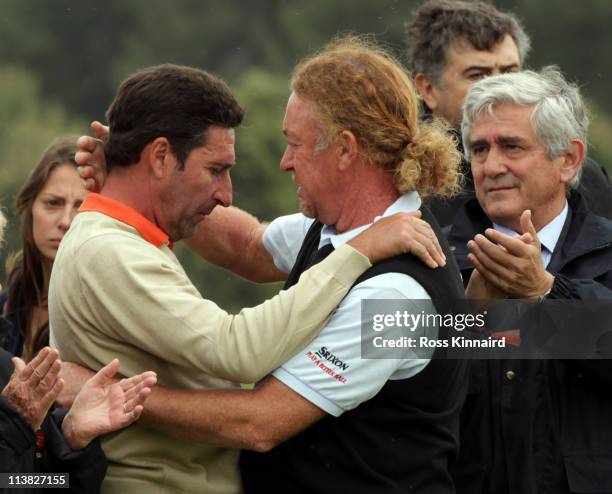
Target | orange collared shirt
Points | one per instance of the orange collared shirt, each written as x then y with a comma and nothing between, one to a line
115,209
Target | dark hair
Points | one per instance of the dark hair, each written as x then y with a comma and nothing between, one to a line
26,284
171,101
439,23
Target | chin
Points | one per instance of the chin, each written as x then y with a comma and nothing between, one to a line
187,232
504,218
307,210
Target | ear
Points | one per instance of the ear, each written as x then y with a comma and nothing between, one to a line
427,90
572,160
348,150
160,157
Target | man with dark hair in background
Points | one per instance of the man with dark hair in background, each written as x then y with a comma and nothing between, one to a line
451,45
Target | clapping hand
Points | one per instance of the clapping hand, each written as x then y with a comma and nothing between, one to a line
512,265
104,405
34,387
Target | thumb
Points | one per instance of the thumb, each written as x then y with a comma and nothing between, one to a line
18,364
527,226
106,373
416,214
99,129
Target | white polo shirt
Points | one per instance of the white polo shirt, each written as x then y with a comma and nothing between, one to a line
346,380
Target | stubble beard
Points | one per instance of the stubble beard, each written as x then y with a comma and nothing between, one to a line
307,209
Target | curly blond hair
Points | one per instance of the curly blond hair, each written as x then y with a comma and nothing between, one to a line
355,85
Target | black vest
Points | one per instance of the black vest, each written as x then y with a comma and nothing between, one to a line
403,439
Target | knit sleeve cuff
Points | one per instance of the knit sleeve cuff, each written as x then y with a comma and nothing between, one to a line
561,288
347,264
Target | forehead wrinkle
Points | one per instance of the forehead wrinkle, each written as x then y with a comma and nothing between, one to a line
498,55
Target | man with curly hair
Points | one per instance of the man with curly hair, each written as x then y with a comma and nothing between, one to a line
329,419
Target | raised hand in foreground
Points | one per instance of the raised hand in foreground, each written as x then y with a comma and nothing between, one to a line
104,405
34,387
90,159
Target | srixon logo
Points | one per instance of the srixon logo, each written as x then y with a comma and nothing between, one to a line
324,353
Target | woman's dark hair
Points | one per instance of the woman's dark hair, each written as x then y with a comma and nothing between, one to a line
26,286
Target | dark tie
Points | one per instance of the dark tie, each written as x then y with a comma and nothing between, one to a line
303,262
319,255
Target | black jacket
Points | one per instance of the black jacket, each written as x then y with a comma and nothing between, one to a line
18,451
541,426
11,337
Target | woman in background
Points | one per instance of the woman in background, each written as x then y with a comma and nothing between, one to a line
47,203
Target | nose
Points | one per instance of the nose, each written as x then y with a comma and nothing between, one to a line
494,163
223,195
68,215
286,161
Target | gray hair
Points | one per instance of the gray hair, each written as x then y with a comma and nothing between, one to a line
559,114
437,24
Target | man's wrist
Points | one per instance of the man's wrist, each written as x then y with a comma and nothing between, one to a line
550,281
544,295
70,432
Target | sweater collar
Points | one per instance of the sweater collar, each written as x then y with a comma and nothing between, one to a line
115,209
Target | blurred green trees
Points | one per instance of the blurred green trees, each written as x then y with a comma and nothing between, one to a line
61,61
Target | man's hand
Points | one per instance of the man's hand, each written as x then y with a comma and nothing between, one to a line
516,268
400,233
33,388
90,159
479,288
104,405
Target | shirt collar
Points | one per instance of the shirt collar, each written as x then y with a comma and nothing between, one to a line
405,203
548,235
115,209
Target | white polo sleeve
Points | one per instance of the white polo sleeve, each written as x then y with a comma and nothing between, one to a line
330,372
283,239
